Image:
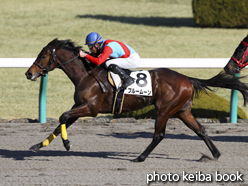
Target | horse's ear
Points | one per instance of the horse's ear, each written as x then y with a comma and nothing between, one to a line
56,40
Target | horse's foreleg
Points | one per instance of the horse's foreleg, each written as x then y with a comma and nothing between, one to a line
67,118
46,142
51,137
66,142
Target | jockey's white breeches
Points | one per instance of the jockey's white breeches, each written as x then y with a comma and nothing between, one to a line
133,61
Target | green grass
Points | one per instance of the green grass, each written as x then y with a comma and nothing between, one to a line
154,28
19,97
160,29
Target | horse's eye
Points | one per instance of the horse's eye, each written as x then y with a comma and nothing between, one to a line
43,57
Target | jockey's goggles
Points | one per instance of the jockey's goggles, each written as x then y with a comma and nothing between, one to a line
91,46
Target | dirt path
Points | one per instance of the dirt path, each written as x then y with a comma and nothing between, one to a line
101,155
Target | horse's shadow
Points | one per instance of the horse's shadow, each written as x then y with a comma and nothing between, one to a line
26,154
135,135
127,156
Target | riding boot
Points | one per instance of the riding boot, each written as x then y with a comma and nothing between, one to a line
125,79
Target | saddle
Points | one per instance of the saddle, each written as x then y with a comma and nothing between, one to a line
115,81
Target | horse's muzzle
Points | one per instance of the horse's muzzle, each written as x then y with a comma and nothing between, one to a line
231,70
32,77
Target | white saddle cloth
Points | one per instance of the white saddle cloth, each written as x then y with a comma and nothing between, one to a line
142,85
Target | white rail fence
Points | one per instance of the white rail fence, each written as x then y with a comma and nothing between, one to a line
146,62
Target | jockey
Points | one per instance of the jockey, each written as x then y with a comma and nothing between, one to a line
120,56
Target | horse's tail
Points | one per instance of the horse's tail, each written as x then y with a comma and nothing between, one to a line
221,80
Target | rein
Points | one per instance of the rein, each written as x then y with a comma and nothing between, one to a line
47,68
241,61
92,69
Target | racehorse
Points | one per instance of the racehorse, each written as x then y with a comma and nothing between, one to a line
172,94
239,59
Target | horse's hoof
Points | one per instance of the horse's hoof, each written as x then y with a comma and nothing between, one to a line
138,159
216,157
36,148
67,144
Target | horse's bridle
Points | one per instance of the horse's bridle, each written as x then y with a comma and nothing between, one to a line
53,58
241,61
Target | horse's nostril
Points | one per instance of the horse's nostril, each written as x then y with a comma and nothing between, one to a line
29,75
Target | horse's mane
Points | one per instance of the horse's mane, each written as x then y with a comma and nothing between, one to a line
70,46
65,44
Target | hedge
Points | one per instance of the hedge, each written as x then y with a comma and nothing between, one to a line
221,13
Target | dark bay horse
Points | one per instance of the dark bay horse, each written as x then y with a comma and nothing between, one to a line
239,58
172,94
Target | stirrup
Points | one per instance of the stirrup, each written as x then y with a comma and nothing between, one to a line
129,82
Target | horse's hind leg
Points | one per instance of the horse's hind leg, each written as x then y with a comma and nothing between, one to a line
157,137
189,120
